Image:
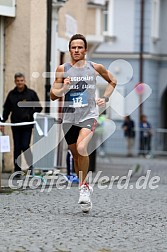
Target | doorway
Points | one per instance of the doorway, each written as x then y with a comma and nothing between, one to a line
164,116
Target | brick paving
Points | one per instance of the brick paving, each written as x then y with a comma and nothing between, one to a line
122,220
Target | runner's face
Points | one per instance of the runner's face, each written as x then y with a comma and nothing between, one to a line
77,50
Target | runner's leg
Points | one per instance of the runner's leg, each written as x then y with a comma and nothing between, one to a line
84,138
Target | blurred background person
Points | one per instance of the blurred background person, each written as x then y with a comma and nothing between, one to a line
100,132
145,136
129,133
71,175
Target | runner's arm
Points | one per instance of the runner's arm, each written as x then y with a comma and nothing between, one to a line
58,88
103,72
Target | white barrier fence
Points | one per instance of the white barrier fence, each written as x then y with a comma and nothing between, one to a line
117,144
44,146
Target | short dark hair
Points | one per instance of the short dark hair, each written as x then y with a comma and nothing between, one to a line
17,75
78,36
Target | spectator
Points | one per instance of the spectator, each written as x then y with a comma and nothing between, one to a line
145,136
21,134
129,133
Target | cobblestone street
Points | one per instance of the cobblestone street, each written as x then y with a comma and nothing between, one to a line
122,220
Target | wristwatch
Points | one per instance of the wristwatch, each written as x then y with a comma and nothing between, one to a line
106,98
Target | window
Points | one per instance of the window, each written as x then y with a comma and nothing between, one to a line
155,20
105,18
71,25
108,19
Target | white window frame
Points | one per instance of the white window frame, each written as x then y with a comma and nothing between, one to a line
101,2
110,19
155,23
8,8
71,25
105,21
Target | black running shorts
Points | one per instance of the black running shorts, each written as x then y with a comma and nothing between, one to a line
71,131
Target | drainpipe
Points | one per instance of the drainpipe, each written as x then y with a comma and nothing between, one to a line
1,62
142,3
1,82
48,55
141,61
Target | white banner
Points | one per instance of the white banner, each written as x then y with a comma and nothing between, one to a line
4,144
40,132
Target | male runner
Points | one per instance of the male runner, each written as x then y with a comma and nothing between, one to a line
76,82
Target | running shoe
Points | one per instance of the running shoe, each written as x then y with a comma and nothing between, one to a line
84,198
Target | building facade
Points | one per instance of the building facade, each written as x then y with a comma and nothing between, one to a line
139,37
23,49
129,38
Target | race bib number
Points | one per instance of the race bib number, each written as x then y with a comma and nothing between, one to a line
78,99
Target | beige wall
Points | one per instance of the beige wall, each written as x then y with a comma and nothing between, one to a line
25,51
25,44
90,21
